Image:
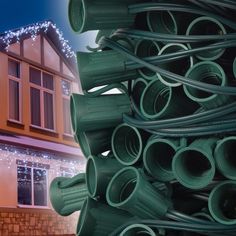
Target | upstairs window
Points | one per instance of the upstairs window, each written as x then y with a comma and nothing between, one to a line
42,99
14,90
66,92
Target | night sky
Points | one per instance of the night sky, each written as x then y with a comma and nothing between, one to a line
18,13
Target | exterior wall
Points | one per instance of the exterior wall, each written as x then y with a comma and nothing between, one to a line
30,222
17,220
8,170
25,127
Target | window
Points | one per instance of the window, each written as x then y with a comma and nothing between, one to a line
32,186
14,90
42,99
66,92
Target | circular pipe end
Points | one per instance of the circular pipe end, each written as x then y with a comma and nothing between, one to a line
206,26
122,187
225,157
155,99
76,15
157,158
222,204
127,144
193,168
91,176
138,229
207,72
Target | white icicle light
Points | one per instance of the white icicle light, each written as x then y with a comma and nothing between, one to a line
33,30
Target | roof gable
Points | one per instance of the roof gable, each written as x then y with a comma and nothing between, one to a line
10,39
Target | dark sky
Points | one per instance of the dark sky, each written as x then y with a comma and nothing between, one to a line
18,13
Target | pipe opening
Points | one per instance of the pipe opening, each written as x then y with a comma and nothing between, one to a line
227,203
206,26
91,177
127,144
194,164
209,79
162,22
122,186
76,14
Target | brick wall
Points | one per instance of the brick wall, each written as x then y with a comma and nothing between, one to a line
31,222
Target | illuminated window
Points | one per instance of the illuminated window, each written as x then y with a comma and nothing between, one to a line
32,186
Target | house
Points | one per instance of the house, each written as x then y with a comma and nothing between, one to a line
37,75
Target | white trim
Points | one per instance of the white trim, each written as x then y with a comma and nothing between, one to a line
33,207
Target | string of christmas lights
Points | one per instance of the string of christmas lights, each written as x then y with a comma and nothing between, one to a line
10,153
11,35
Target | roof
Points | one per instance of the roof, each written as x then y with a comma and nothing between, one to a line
27,142
47,28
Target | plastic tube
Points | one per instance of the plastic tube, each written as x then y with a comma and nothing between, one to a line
225,157
211,73
222,203
180,67
206,26
194,166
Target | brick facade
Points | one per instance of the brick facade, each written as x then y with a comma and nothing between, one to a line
32,222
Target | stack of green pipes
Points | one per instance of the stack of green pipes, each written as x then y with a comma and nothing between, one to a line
161,152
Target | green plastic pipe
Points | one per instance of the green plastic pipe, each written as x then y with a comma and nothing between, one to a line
103,33
160,101
130,191
94,142
179,67
211,73
102,68
137,90
222,204
147,48
158,155
234,67
68,194
95,113
162,22
127,144
206,26
85,15
194,166
99,171
99,219
225,158
138,229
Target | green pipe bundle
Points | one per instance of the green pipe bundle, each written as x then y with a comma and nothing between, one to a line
161,150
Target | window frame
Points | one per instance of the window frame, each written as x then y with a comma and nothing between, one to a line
67,97
42,90
32,188
19,81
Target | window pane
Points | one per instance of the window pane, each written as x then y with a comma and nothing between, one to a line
65,87
24,185
40,187
48,110
48,81
35,106
66,114
35,76
14,110
14,68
